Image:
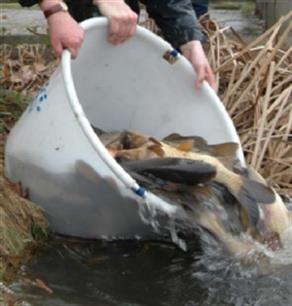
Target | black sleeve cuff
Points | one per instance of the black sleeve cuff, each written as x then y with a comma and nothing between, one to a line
179,37
28,2
176,19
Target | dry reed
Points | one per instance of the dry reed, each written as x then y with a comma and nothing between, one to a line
255,84
22,225
256,89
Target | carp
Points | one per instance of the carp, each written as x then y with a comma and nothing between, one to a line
188,171
149,158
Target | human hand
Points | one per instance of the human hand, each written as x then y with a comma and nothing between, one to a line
65,33
122,20
194,52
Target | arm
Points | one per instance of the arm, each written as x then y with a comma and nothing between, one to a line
179,25
64,31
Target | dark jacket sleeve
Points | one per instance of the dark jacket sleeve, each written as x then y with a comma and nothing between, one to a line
28,2
176,19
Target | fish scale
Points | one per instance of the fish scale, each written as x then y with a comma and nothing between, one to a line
250,194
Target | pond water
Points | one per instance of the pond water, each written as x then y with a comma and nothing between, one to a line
247,25
132,273
137,273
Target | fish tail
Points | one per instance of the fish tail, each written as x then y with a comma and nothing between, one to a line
231,244
250,194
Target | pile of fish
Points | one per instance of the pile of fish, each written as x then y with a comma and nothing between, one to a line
217,194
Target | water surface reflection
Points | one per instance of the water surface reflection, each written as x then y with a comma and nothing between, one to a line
149,273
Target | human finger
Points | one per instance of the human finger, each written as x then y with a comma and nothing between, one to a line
57,47
130,25
123,29
73,51
210,78
200,70
127,27
113,32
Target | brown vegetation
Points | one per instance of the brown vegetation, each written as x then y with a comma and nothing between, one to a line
255,85
22,225
256,88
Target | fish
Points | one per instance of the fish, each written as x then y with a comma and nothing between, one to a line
176,170
199,144
189,165
277,219
249,193
116,141
209,208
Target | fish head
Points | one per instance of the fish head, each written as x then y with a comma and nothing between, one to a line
277,217
142,153
133,140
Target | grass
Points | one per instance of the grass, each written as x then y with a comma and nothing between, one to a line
248,8
15,6
12,104
22,227
244,6
22,224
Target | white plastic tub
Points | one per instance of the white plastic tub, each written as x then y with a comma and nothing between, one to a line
130,86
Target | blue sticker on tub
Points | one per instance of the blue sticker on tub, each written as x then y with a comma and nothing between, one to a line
37,103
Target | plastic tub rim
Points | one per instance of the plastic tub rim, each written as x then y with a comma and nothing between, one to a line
94,140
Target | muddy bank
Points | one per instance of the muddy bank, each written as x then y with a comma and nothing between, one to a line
23,70
23,226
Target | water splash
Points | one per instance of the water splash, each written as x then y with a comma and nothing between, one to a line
258,277
174,236
148,214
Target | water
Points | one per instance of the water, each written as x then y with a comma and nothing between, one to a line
16,22
132,273
137,273
248,26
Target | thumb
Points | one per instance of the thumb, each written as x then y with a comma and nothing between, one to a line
73,51
58,47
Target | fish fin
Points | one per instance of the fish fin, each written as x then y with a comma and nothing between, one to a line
172,137
132,154
152,139
178,170
199,144
97,130
225,149
152,183
133,140
251,194
254,175
115,141
185,172
228,161
186,145
156,149
141,179
244,219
